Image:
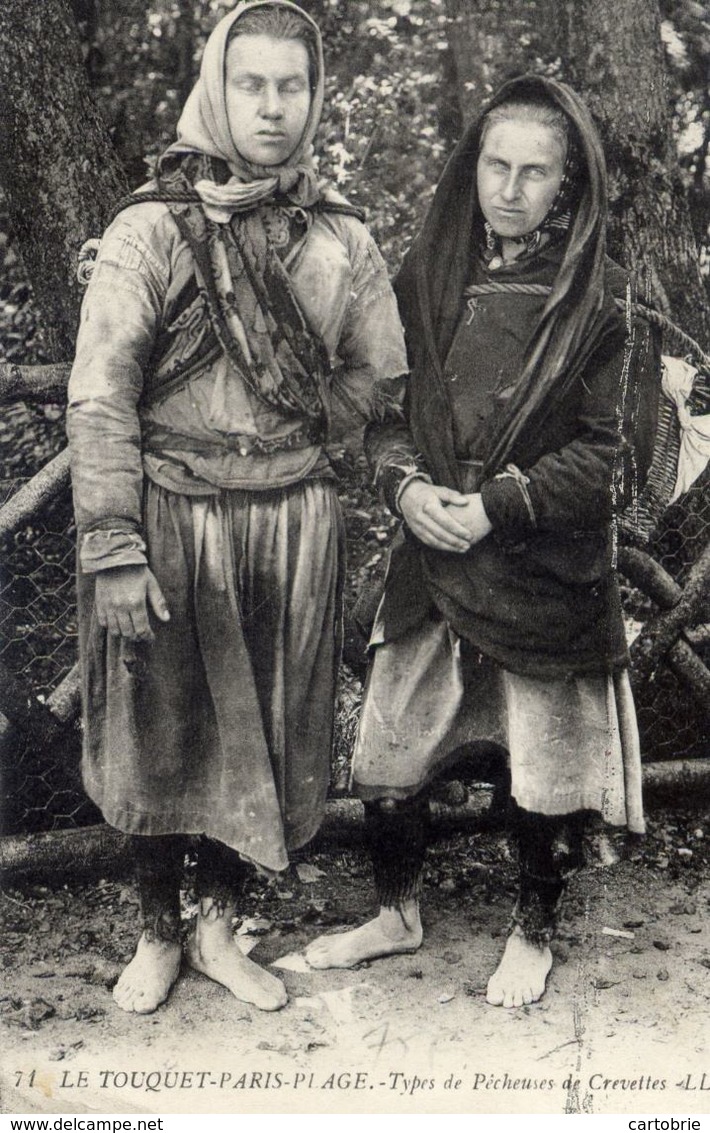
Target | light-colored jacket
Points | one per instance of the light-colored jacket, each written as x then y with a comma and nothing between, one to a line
143,265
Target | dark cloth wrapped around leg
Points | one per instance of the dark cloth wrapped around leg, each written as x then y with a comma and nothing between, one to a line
221,874
541,882
396,831
159,861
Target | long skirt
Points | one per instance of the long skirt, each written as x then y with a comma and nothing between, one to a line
572,741
223,725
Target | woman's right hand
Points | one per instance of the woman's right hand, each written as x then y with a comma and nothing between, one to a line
429,512
124,597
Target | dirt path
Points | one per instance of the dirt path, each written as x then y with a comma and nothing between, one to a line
623,1023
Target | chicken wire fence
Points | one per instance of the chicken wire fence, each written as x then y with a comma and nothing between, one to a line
38,645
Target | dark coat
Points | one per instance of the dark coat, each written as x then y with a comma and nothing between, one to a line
539,595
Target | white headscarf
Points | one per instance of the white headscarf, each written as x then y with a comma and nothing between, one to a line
204,128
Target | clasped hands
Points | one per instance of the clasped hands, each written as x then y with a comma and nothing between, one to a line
443,518
440,517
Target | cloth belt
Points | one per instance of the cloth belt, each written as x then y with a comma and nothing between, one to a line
158,439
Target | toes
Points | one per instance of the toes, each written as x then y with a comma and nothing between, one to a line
277,1002
494,995
134,1000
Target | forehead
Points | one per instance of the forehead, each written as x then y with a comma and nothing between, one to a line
267,55
524,142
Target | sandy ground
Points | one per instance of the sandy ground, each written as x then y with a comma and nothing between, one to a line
623,1026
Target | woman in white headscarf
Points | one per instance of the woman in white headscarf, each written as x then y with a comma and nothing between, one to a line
239,316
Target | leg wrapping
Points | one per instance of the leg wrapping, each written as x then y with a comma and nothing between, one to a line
221,874
159,863
396,831
541,884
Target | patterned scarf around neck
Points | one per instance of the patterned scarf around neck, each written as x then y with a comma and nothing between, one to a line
253,308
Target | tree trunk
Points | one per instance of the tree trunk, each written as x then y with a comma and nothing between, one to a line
491,44
612,54
185,45
617,61
57,164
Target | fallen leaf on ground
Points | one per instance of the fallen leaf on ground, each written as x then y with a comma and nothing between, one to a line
292,962
246,944
340,1003
254,926
308,873
309,1002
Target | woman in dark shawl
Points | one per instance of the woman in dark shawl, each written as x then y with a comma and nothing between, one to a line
501,618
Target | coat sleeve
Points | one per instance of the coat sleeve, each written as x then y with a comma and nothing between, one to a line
390,448
578,485
119,319
371,387
371,344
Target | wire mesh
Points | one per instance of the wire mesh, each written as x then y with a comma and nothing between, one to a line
672,723
38,634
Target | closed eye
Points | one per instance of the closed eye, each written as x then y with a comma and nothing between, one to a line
251,84
292,86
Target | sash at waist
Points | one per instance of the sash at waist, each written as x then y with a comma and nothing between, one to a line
158,439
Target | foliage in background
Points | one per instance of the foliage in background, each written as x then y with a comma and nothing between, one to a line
391,116
391,111
388,121
686,35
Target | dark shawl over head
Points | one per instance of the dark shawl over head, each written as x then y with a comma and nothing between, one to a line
432,278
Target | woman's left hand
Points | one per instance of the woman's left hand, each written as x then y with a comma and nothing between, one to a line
473,517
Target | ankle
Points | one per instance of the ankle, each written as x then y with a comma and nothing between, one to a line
538,941
400,920
213,910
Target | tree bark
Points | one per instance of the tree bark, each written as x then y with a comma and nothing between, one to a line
57,165
617,61
185,45
29,500
491,43
33,383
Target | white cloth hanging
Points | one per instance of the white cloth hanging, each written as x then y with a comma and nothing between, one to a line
677,379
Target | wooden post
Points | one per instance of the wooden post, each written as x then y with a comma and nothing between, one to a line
660,635
33,495
103,850
33,383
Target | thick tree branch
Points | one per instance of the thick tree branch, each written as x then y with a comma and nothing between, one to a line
33,495
33,383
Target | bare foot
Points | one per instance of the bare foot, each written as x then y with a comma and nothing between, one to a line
145,983
396,930
213,951
522,973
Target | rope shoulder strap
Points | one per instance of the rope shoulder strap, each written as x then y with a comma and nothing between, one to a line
341,208
677,336
90,248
